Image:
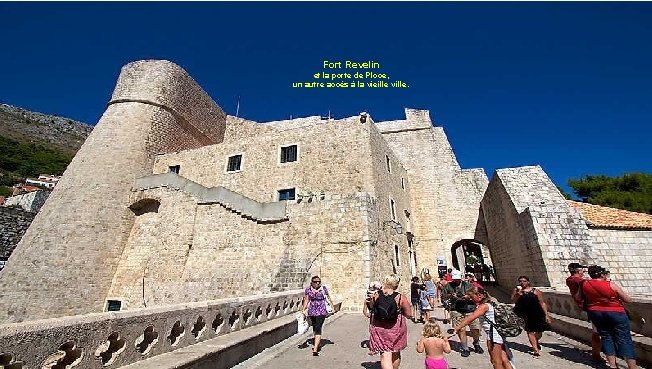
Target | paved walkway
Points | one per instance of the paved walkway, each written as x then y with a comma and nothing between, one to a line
344,333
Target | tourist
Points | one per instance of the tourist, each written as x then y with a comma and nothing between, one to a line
388,331
415,288
486,272
314,307
431,289
604,301
495,344
531,306
454,293
367,309
426,307
435,344
573,282
470,277
449,275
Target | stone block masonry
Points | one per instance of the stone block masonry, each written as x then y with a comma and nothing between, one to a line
86,222
13,224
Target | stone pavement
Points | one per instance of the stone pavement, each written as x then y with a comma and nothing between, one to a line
343,334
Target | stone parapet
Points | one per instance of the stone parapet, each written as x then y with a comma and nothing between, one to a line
124,337
640,309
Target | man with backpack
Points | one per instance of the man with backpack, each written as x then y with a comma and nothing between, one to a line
453,295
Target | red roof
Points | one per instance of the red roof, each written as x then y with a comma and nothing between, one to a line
605,217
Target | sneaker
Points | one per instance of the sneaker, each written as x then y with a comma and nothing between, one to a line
465,353
477,349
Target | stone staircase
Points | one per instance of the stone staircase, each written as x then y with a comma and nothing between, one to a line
269,212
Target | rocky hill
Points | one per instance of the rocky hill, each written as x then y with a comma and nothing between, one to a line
32,143
51,131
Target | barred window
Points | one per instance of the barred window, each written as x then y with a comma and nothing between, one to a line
174,169
288,154
234,164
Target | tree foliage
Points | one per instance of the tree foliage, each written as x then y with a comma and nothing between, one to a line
632,191
21,159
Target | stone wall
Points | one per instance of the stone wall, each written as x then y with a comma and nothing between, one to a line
444,197
531,229
13,224
628,256
32,201
116,339
86,222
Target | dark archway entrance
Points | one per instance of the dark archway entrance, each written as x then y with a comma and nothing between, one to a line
468,256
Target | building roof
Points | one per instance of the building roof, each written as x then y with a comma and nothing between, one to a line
605,217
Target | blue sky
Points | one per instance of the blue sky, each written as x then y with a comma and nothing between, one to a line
564,85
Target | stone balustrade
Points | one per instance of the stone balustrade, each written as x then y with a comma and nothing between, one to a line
115,339
640,309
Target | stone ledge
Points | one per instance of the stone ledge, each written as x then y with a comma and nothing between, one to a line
581,330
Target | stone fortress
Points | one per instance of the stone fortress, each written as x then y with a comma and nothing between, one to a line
187,204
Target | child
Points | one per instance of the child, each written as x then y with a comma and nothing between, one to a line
425,304
435,345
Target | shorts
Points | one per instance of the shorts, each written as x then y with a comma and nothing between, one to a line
614,332
317,323
457,317
436,363
415,302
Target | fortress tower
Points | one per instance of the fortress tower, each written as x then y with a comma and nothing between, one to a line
66,260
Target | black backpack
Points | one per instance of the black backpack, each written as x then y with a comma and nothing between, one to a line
385,307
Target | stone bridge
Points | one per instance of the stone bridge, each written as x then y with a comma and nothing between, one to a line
255,331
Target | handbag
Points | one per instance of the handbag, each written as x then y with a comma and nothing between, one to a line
329,307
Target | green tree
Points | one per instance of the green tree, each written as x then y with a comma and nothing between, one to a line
632,191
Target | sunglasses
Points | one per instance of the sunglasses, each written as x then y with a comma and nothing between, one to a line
316,281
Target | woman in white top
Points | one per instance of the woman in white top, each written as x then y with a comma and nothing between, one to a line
485,309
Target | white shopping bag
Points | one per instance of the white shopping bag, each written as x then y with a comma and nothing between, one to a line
302,323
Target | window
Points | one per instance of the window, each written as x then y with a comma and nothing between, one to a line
3,262
174,169
402,183
288,154
388,164
113,305
392,206
286,194
397,256
235,163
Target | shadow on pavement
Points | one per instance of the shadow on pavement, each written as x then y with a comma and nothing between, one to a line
310,341
574,355
371,364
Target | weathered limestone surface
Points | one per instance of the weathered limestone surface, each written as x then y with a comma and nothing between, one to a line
531,228
628,256
66,261
445,198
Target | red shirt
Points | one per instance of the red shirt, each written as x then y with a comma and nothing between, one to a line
448,277
601,297
573,282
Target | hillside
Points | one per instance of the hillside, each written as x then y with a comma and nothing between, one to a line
32,143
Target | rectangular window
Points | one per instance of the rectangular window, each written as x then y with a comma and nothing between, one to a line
113,305
286,194
288,154
234,164
174,169
397,256
392,205
388,164
402,183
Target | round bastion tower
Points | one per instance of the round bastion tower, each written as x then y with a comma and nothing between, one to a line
66,260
